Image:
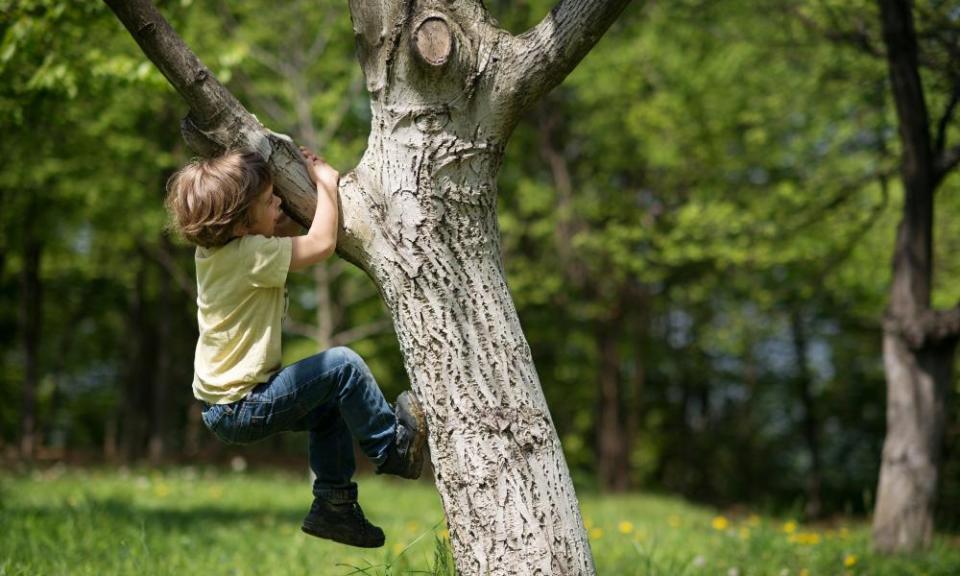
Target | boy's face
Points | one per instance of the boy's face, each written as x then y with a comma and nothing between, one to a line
264,214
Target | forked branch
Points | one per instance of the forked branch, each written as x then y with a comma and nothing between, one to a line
542,57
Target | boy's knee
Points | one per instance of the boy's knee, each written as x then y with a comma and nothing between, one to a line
346,356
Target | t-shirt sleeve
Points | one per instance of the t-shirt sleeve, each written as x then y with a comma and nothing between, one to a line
269,260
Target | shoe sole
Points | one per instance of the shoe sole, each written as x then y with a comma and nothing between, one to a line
335,537
407,404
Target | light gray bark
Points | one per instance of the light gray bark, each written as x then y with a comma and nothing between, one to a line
919,342
447,87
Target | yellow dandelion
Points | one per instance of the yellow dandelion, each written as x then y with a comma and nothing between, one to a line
805,538
720,523
588,523
804,572
625,527
596,533
445,534
215,492
849,560
412,526
674,521
398,549
744,533
162,490
790,527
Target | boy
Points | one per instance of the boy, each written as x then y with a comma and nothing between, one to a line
226,206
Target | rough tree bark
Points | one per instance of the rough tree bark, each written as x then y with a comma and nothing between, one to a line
918,342
447,87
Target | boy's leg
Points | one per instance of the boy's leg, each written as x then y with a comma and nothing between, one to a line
332,395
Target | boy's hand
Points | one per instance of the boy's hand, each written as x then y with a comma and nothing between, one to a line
320,172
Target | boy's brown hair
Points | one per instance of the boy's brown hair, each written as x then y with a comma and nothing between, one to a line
208,197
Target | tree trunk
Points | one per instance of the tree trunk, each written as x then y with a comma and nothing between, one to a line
137,376
31,318
447,88
611,438
814,505
917,381
918,343
160,405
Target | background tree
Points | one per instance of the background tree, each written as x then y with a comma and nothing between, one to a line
919,341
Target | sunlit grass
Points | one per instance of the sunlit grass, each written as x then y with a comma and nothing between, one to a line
203,521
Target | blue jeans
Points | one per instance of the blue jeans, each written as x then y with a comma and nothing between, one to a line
335,397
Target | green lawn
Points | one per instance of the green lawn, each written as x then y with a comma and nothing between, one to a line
202,521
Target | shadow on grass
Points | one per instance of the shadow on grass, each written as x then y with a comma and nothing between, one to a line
118,511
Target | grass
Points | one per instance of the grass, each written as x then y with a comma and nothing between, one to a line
203,521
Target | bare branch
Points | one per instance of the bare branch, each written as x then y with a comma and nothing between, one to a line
336,120
941,141
542,57
300,328
361,332
947,161
858,38
160,254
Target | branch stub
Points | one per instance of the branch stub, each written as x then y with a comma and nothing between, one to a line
432,40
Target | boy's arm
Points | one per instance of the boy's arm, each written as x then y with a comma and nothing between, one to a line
320,241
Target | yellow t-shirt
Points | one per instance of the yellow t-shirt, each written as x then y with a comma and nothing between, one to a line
241,299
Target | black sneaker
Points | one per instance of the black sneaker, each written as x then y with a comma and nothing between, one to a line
405,456
343,523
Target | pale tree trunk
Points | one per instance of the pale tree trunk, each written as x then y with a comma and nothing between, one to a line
447,87
918,343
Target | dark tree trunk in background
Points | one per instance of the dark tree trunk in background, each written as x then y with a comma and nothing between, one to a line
133,416
811,434
612,447
918,342
31,320
160,405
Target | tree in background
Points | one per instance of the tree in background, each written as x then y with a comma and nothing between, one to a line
919,341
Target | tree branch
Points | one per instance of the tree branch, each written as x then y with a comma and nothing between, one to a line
542,57
927,329
941,142
300,328
858,38
160,254
217,120
947,161
361,332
